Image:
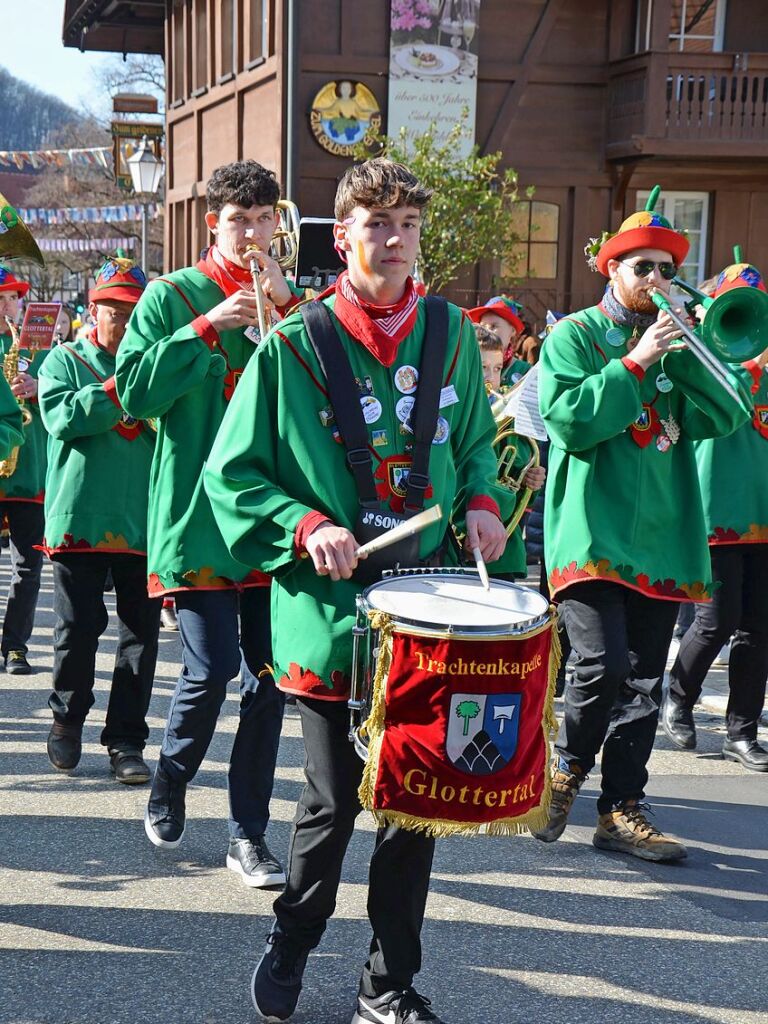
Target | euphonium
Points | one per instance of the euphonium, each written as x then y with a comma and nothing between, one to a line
10,372
507,452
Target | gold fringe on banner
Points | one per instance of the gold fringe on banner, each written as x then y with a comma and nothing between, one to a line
441,828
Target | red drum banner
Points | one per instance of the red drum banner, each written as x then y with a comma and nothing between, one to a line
459,731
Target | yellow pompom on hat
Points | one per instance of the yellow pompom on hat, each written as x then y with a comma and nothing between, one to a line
645,229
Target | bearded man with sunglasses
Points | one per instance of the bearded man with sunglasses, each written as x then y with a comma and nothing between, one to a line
625,539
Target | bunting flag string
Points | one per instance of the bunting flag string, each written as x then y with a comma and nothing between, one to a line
96,156
85,244
86,214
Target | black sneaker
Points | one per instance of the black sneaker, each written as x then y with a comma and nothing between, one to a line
16,663
129,767
406,1007
276,982
253,861
64,746
166,813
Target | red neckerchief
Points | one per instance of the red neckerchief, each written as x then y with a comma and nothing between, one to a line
227,275
379,328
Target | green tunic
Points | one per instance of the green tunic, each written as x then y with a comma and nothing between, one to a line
733,472
516,370
616,509
98,460
167,372
11,430
275,460
28,481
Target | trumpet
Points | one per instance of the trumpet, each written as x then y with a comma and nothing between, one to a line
734,329
284,250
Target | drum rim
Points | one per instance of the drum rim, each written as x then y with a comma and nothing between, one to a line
415,627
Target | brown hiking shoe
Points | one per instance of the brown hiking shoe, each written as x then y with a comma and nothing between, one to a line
627,830
565,786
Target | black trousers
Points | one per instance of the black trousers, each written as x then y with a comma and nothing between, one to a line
26,522
81,618
739,607
621,639
325,818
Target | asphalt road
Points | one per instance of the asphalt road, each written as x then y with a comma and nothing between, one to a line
98,927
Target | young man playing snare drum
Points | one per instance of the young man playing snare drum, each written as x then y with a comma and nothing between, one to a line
287,504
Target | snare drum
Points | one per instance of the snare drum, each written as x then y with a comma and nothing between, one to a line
451,701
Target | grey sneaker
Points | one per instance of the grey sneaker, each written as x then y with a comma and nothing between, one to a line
565,787
253,861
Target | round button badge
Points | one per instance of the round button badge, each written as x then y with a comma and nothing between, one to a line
664,384
406,379
615,337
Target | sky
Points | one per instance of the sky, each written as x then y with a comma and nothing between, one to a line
31,49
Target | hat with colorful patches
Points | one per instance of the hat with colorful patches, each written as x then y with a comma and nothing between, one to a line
739,275
121,279
10,283
645,229
502,306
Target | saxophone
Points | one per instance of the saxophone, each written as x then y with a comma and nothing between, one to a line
10,372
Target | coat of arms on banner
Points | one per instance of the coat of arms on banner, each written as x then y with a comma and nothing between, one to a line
482,731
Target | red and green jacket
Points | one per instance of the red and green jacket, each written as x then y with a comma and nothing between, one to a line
622,499
28,481
173,367
733,472
99,458
278,466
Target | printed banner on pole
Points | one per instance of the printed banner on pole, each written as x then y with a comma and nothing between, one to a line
459,732
433,66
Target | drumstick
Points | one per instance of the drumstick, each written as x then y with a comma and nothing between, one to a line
410,526
482,571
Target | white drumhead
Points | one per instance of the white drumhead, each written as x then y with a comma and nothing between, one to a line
456,600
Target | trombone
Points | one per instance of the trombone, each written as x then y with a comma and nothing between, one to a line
284,250
734,329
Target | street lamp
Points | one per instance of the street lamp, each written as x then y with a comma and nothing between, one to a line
146,172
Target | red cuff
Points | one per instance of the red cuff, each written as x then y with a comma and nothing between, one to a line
286,309
755,371
482,503
633,367
304,527
202,325
111,389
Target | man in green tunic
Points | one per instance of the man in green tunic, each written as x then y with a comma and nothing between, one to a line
287,504
623,401
184,352
733,472
22,493
95,525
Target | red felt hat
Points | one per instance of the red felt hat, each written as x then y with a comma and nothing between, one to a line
643,230
9,283
506,308
120,279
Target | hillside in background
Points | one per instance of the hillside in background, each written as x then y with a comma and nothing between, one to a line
28,116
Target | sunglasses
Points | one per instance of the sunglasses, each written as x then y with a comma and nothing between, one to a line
645,267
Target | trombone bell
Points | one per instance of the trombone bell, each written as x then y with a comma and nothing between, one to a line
735,326
16,241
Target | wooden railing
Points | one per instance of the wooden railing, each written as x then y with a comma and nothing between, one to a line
660,98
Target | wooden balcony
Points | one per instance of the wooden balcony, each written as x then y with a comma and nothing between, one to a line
687,106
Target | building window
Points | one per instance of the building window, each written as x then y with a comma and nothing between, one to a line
258,29
535,254
689,212
201,43
643,25
696,26
228,40
179,52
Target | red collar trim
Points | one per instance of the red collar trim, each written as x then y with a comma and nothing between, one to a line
227,275
380,329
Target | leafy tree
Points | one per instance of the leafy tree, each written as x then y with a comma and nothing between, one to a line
471,215
467,709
